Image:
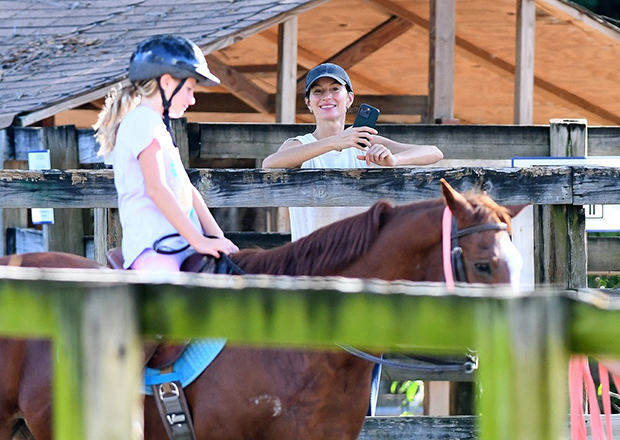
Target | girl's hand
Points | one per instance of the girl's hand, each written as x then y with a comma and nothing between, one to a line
380,155
215,246
355,137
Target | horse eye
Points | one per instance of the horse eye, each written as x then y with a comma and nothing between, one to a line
484,268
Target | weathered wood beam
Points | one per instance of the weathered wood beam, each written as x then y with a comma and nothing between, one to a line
603,254
286,95
309,59
524,66
240,86
441,60
268,188
506,69
365,45
456,142
388,104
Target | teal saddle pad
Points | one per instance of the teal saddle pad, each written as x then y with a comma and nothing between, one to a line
197,356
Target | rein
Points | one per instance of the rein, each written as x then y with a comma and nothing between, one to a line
454,270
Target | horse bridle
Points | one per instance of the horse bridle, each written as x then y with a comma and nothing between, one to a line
456,252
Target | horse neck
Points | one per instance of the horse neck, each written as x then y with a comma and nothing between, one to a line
408,247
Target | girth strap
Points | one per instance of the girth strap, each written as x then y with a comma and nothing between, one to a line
173,408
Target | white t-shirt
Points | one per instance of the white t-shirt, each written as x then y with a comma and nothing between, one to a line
142,222
306,220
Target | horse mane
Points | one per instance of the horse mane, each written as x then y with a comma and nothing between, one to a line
322,252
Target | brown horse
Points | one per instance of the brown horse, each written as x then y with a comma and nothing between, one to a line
252,393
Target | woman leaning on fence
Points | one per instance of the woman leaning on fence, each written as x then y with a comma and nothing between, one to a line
155,196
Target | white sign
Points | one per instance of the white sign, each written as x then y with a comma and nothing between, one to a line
40,160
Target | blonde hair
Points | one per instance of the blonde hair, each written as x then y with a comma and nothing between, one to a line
118,103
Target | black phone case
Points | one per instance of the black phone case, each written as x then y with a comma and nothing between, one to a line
367,116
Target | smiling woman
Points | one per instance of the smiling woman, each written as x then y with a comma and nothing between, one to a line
329,96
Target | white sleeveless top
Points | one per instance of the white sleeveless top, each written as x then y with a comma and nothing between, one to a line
306,220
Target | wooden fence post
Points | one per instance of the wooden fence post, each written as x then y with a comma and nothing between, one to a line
559,230
67,232
107,232
523,368
97,366
4,149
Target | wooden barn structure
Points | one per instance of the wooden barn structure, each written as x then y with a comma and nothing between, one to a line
418,61
476,62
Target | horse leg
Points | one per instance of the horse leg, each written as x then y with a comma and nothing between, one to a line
35,393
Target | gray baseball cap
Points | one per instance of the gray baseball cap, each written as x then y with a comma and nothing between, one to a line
328,70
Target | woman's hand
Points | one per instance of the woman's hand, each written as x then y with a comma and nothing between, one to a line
215,246
380,155
354,137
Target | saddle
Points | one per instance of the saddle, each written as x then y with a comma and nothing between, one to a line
160,354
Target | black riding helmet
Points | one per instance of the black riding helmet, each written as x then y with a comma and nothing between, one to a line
174,55
170,54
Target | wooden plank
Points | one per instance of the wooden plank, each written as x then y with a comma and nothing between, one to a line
524,66
441,30
179,128
594,185
419,427
603,254
67,232
604,141
456,141
267,188
287,72
400,185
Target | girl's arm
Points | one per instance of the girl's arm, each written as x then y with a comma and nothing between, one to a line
293,153
208,223
160,193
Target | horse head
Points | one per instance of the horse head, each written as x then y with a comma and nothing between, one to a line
480,244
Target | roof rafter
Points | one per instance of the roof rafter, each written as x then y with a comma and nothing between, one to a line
240,86
365,45
505,68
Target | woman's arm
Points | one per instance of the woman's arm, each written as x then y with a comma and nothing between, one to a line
387,152
162,196
293,153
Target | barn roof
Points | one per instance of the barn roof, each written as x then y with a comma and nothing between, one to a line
58,54
64,54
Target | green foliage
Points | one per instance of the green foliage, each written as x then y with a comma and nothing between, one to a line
413,394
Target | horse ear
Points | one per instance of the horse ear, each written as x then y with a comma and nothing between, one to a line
513,210
460,207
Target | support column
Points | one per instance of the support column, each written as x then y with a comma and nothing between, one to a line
560,230
524,65
441,60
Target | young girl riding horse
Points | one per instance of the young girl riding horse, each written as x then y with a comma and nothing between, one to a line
155,196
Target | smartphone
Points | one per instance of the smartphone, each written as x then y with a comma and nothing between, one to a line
367,116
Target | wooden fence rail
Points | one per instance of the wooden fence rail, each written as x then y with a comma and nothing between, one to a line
359,187
256,141
523,340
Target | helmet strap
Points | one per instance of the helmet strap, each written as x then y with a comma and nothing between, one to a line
166,103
